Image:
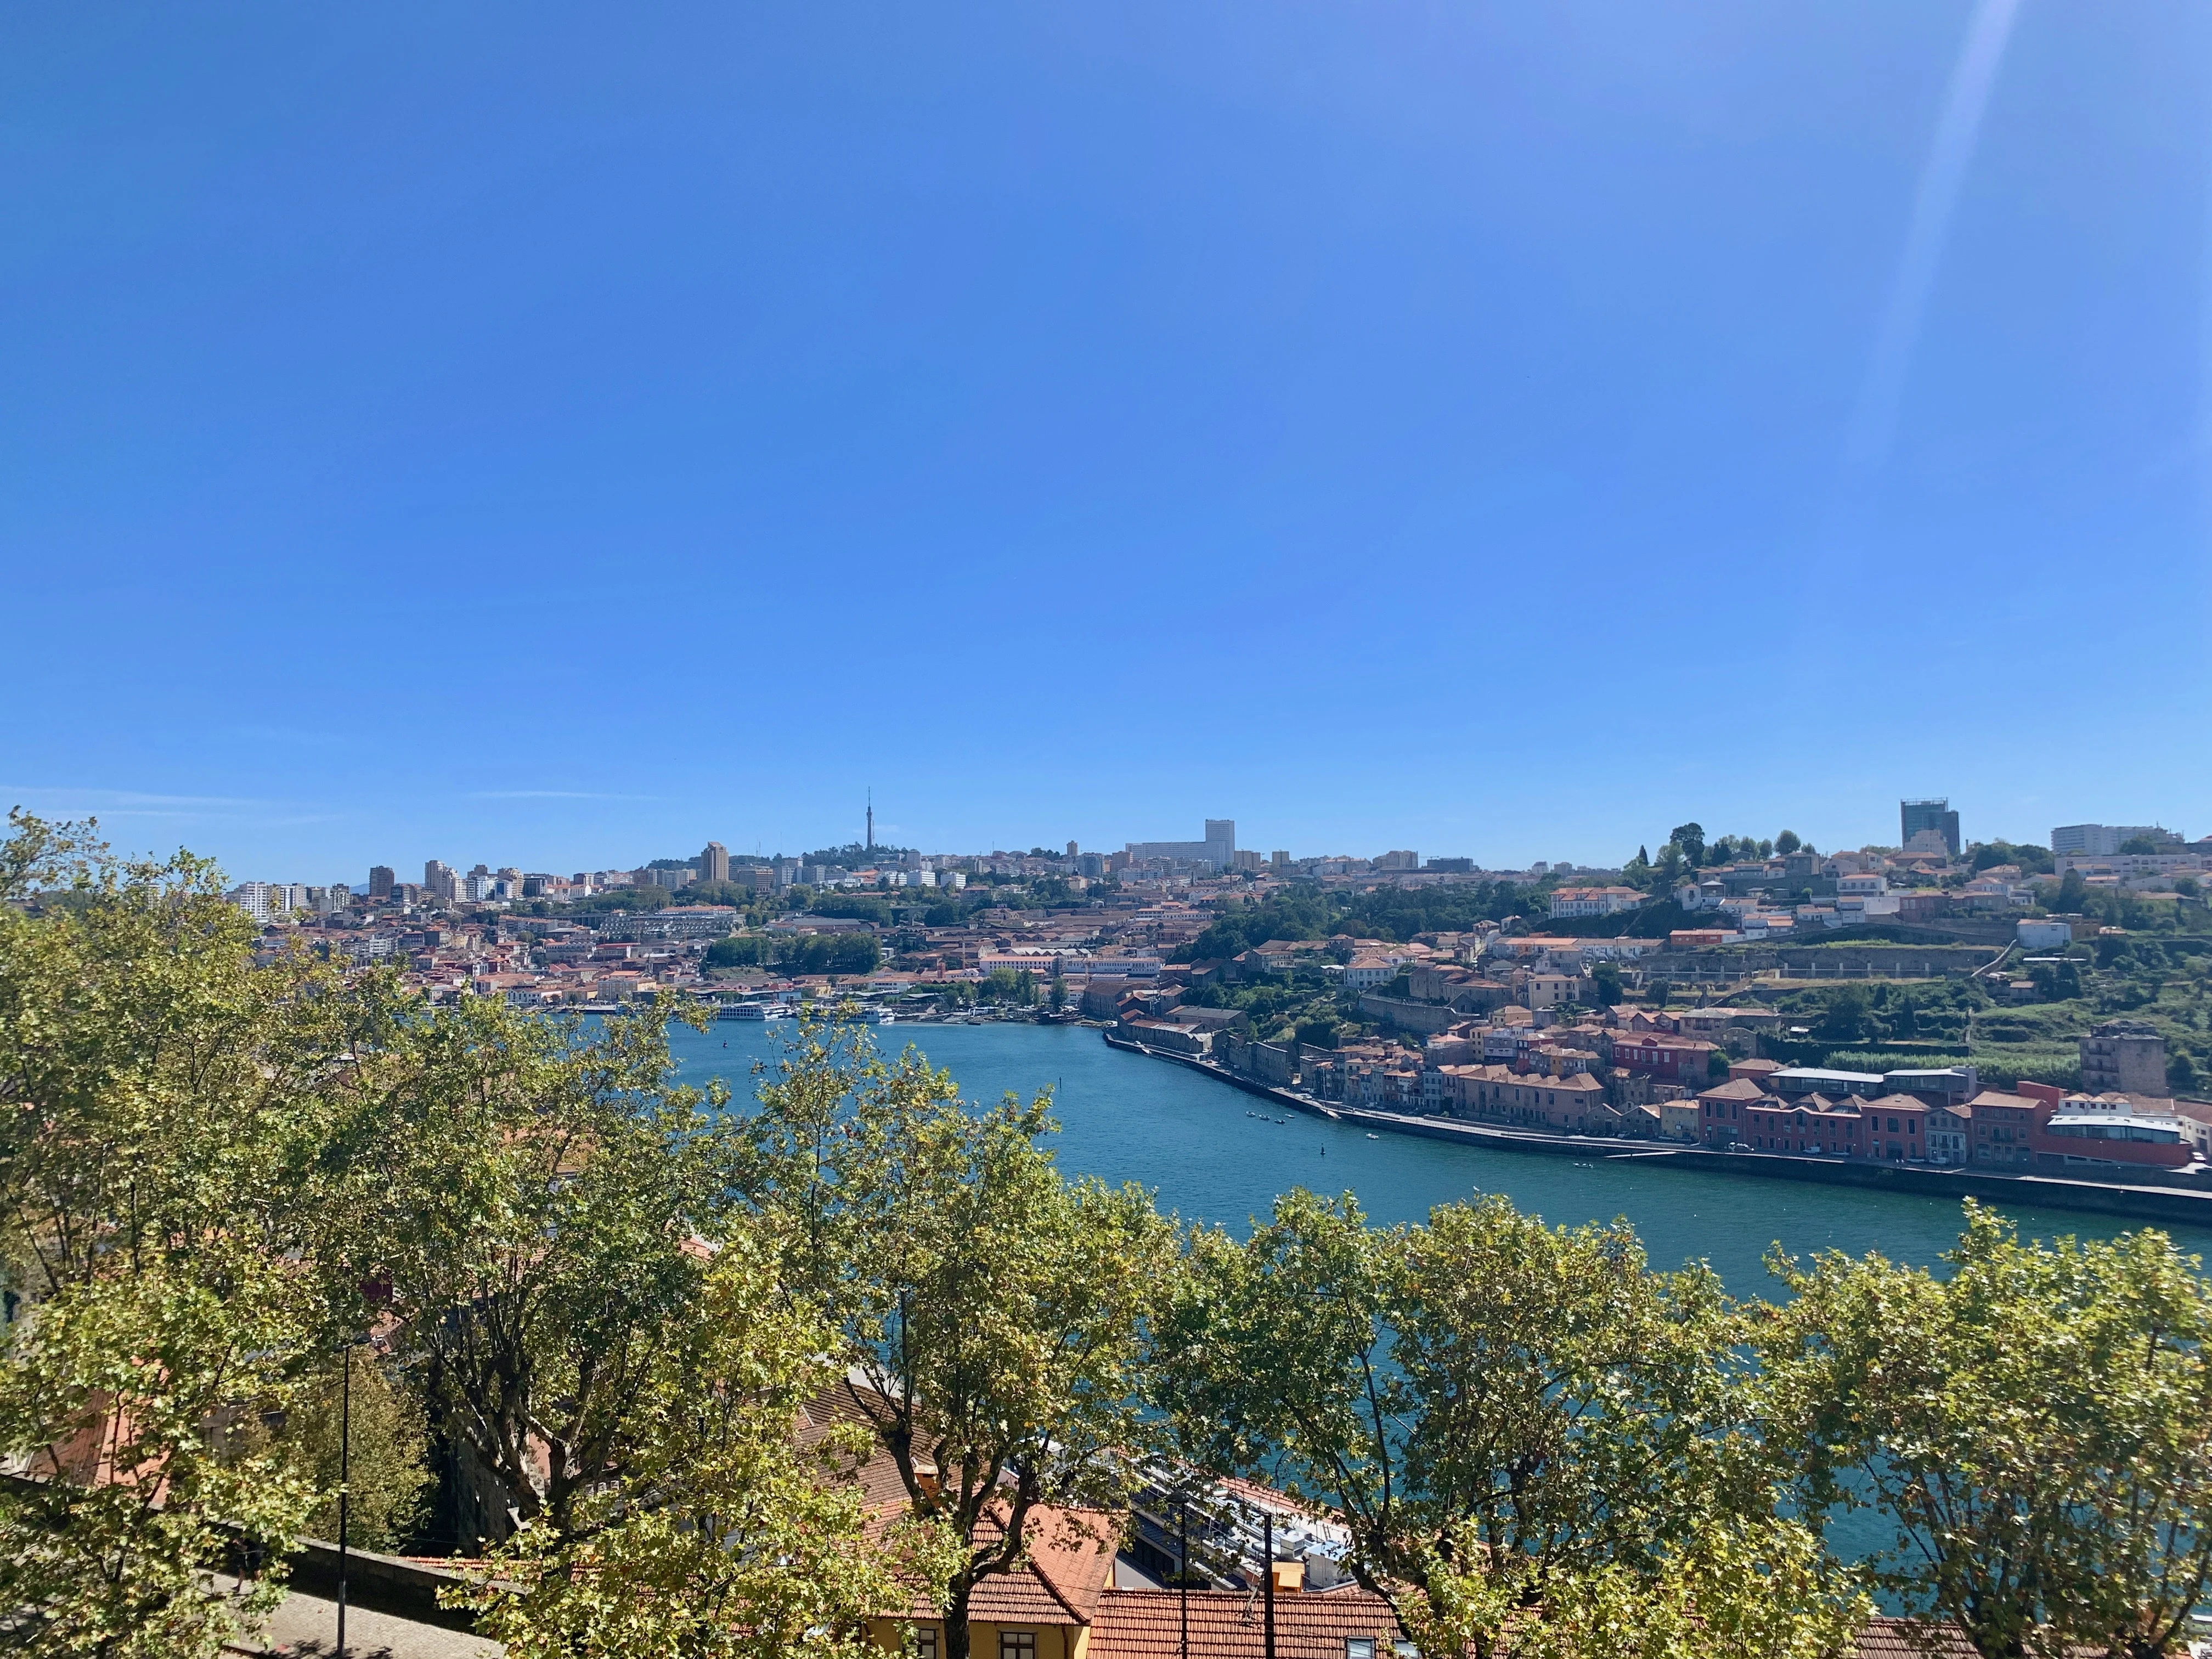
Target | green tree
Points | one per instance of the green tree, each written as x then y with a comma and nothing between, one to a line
1510,1417
1690,838
2032,1424
987,1312
737,951
161,1099
1787,843
386,1449
113,1391
530,1191
1604,985
726,1537
2073,893
1847,1015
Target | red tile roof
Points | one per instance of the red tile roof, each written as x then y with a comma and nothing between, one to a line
1906,1638
1231,1624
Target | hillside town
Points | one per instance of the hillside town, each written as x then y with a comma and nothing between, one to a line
1681,998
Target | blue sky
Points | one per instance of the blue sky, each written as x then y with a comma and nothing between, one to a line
558,434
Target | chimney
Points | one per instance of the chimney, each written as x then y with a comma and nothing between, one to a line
925,1476
1290,1576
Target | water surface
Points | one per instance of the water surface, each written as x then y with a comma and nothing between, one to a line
1194,1142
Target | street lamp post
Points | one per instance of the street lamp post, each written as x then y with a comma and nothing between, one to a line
1183,1578
1268,1549
345,1476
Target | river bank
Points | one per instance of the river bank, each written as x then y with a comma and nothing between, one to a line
2163,1205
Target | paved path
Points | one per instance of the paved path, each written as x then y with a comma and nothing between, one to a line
309,1624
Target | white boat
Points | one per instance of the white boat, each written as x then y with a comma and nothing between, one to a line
752,1011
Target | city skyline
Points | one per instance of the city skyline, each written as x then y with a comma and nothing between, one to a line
1221,846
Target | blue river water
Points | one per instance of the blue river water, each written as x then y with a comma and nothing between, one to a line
1195,1143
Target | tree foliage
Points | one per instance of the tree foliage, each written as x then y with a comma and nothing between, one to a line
385,1452
530,1193
2034,1425
724,1537
1510,1417
160,1102
990,1312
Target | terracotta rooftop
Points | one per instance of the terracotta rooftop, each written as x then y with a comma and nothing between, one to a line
1231,1624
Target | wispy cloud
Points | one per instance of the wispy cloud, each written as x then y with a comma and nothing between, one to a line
70,802
1941,180
550,794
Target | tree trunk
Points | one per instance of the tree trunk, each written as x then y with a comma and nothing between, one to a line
955,1617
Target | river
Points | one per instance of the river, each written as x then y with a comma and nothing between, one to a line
1196,1143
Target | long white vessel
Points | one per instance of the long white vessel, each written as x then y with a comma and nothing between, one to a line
752,1011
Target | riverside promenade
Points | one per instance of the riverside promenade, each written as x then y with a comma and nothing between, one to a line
2135,1202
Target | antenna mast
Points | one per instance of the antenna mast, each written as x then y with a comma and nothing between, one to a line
872,819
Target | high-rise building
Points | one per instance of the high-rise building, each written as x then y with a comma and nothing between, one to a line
1915,816
1073,851
379,881
440,881
1217,849
714,862
1399,861
1280,860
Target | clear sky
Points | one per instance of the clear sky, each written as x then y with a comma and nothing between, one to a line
557,434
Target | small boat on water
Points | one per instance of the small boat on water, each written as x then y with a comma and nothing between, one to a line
1371,1135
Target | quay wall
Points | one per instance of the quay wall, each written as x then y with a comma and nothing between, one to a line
2141,1203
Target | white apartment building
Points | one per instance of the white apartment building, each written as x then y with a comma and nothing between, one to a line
1593,901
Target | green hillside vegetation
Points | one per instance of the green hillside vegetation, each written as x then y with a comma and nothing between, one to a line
1303,1006
1390,913
1853,1026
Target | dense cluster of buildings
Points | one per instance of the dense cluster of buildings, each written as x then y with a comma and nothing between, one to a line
1498,1023
1492,1028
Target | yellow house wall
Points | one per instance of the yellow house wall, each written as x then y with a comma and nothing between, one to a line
1052,1641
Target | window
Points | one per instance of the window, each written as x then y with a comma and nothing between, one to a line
1359,1647
1016,1644
925,1643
